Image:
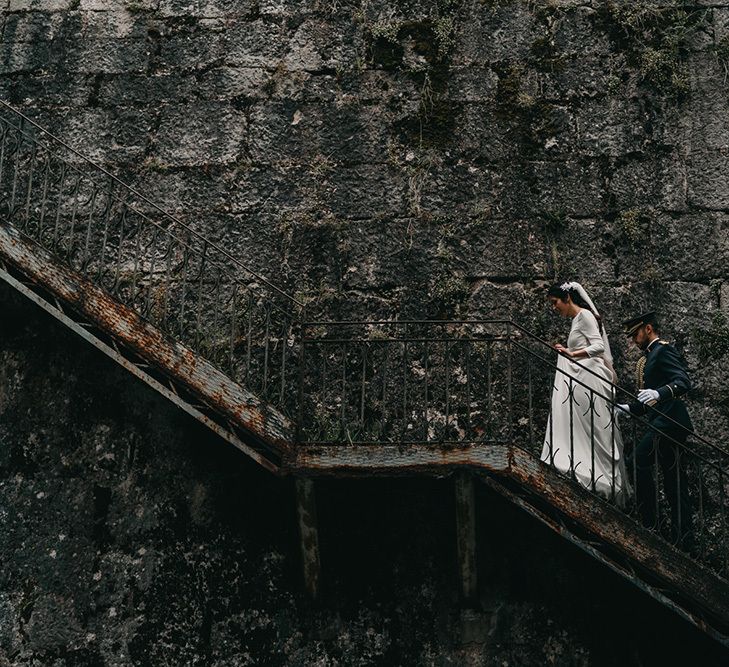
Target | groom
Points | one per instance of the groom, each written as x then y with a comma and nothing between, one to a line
662,380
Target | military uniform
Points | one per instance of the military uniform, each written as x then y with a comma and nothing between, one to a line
663,369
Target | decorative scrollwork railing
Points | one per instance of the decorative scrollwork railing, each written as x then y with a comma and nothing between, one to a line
191,288
451,384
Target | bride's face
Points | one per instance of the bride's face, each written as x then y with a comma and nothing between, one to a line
560,307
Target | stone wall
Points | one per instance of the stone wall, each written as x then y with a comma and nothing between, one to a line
420,158
131,536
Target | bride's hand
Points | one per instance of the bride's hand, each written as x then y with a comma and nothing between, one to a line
562,350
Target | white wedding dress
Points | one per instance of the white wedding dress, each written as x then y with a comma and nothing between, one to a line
582,438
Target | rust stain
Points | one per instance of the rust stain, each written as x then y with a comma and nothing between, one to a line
176,360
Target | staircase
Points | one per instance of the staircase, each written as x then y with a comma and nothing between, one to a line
330,398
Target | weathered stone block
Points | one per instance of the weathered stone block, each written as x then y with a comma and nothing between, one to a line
118,23
450,189
708,179
503,34
267,190
572,30
256,238
472,83
484,137
660,182
694,247
383,252
224,83
34,27
331,135
186,191
406,10
285,8
708,112
24,57
304,48
582,249
255,44
144,90
197,50
685,307
612,127
53,624
112,5
112,56
10,633
583,77
316,45
206,8
493,249
720,23
507,299
40,5
107,136
363,191
275,133
200,134
573,187
351,84
28,89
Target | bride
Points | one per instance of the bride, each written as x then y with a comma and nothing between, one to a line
583,439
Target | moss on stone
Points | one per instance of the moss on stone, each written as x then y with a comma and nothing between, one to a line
421,47
656,40
633,226
448,292
713,342
545,56
155,165
134,7
517,102
721,50
554,225
553,222
652,277
444,30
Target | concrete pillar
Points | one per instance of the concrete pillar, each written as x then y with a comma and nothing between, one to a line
309,535
466,535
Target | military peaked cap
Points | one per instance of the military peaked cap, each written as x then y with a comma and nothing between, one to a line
633,324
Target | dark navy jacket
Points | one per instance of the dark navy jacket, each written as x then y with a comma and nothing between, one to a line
665,371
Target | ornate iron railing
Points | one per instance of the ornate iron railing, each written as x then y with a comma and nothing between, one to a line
453,384
191,288
405,382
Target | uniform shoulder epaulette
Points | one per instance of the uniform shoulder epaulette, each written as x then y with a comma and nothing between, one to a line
664,342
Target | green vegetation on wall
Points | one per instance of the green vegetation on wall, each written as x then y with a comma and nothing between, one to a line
656,39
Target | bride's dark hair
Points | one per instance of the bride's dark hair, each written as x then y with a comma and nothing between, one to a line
557,290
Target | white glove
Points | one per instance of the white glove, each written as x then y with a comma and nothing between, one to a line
648,395
621,409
